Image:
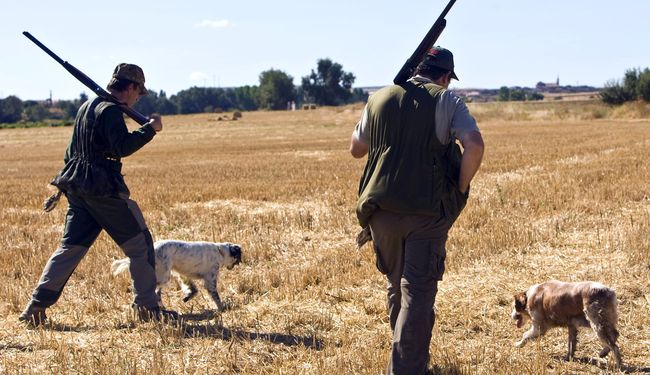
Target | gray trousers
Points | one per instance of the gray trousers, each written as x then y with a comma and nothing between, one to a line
87,216
411,253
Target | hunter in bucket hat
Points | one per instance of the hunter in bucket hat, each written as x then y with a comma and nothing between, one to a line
129,72
441,58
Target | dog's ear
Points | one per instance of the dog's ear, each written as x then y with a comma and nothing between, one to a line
235,252
520,301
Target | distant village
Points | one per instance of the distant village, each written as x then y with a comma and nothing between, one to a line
549,91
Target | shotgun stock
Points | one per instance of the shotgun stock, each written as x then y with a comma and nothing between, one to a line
418,55
98,90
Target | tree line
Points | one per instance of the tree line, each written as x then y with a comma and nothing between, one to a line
515,94
328,85
635,86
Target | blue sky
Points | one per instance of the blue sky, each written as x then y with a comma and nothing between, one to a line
188,43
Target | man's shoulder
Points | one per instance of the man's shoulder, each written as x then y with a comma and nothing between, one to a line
388,89
107,110
105,105
449,97
385,94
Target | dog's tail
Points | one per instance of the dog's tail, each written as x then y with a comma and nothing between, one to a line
120,266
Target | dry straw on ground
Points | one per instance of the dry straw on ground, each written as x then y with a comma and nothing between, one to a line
564,193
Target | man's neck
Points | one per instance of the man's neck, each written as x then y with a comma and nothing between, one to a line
120,96
440,81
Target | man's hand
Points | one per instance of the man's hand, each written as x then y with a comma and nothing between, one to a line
363,236
156,122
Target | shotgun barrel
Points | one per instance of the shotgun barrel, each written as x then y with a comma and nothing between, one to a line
421,51
98,90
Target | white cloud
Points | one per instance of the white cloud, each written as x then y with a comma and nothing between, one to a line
212,24
198,77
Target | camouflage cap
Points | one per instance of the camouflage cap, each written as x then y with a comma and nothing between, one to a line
129,72
441,58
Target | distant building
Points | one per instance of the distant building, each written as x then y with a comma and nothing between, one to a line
548,86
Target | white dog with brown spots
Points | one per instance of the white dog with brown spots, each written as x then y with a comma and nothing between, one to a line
572,305
185,261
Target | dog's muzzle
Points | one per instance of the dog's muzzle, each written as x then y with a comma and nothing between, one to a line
235,252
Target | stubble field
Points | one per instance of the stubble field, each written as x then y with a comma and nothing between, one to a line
562,194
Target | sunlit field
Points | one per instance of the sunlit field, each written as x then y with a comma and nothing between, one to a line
563,193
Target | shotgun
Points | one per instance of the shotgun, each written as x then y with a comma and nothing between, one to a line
98,90
420,53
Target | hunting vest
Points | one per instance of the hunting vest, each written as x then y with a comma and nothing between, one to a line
408,170
90,170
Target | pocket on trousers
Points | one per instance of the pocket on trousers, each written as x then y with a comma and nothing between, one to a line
423,261
437,264
378,262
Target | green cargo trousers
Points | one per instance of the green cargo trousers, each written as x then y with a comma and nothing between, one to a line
122,219
411,253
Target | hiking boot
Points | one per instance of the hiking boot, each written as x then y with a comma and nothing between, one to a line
158,314
33,315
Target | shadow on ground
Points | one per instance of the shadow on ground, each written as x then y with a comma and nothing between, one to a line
603,365
228,334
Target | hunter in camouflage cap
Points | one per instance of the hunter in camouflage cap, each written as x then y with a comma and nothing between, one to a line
129,72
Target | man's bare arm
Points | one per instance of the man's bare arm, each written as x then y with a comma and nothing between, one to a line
358,149
472,156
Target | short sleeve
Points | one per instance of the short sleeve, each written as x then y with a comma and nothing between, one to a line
360,132
453,119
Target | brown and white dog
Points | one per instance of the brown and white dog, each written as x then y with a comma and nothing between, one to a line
185,261
572,305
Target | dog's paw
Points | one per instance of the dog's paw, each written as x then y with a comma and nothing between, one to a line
603,353
520,343
189,294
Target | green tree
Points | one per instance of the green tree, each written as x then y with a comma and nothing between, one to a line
615,94
193,100
517,95
82,99
164,105
504,94
11,109
69,108
631,80
35,111
147,104
200,99
643,85
329,84
276,89
358,95
246,97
